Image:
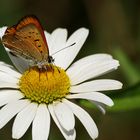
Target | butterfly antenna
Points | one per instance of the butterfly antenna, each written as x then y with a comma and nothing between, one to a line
64,48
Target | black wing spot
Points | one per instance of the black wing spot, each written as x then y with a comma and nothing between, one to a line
36,40
12,54
39,47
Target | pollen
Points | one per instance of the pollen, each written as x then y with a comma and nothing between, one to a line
45,85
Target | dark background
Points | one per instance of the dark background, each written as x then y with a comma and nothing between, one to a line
114,28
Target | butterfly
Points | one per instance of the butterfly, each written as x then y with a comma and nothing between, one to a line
26,39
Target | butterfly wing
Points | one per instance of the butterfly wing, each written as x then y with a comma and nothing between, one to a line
27,39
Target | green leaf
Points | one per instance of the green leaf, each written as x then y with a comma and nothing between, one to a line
128,99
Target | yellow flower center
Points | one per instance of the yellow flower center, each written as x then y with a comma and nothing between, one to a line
45,85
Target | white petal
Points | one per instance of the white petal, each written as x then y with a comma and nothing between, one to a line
23,121
94,59
7,96
57,40
41,123
90,70
10,110
64,116
96,85
68,135
94,96
6,65
2,31
100,106
20,63
4,77
65,57
9,70
85,119
47,35
8,85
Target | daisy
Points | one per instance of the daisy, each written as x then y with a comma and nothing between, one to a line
34,96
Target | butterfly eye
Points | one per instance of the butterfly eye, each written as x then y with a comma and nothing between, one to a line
50,59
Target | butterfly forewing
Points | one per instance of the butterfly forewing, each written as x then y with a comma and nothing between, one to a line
27,40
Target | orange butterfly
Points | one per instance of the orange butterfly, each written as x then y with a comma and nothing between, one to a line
27,40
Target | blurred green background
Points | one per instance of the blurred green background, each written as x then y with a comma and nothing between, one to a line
114,28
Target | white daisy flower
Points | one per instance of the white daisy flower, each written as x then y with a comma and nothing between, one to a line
33,95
